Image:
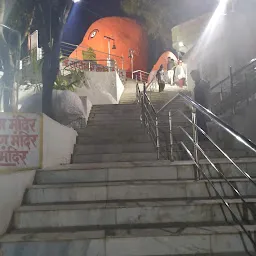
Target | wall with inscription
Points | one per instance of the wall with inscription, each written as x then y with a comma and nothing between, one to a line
28,142
20,141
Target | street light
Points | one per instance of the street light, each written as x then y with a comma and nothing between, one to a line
181,44
76,1
131,56
113,48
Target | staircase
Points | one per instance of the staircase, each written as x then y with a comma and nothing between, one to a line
117,199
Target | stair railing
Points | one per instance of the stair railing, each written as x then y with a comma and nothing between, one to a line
150,119
234,88
140,75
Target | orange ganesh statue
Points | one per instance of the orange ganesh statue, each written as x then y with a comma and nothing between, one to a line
121,37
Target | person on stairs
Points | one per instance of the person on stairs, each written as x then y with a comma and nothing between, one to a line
170,70
160,78
201,96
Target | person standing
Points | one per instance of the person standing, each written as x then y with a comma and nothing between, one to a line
201,96
170,70
160,78
180,74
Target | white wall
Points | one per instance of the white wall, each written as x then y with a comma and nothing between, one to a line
87,106
58,143
101,87
119,88
231,43
12,188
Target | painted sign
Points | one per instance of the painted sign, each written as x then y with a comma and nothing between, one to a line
20,142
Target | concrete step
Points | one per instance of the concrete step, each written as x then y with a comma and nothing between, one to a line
233,153
128,112
107,173
114,148
132,115
141,190
122,131
141,171
214,153
115,107
115,125
109,117
121,157
124,110
92,129
171,213
117,122
112,139
204,241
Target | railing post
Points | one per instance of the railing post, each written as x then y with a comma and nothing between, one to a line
157,139
232,89
143,106
138,95
221,94
195,140
247,90
171,136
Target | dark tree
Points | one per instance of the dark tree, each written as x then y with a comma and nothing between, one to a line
159,17
48,17
17,15
51,15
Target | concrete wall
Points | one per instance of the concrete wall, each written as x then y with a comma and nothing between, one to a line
189,32
12,188
58,143
101,87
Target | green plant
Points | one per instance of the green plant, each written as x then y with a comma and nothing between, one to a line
68,82
89,54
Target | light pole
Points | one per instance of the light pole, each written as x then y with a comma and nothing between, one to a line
131,56
113,48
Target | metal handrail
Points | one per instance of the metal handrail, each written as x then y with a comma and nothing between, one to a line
222,151
154,129
241,138
86,48
141,71
217,192
238,136
235,73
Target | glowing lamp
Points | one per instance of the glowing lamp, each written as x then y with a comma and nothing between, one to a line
181,44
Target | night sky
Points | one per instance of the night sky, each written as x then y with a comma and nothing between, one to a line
85,13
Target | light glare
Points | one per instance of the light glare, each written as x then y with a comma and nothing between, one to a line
181,44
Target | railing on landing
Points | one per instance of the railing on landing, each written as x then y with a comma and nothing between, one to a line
140,75
150,119
67,49
238,87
